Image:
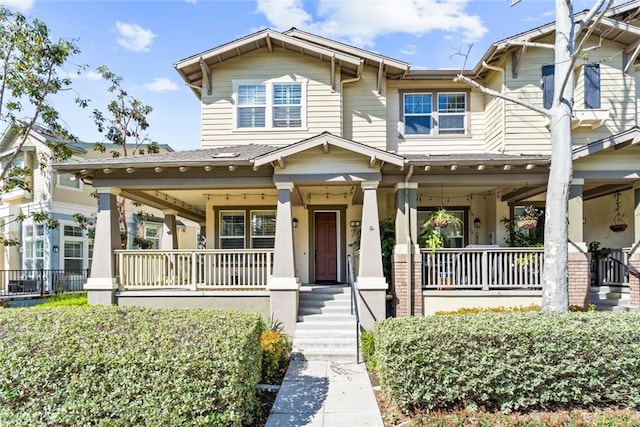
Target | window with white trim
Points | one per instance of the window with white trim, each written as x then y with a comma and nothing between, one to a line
33,246
232,229
152,234
73,248
263,229
68,180
270,104
447,117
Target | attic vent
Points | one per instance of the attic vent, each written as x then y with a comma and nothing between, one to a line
225,155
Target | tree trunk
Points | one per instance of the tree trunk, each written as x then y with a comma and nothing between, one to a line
555,291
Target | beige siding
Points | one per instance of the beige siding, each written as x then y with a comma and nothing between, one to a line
494,115
365,117
323,104
337,161
527,131
399,143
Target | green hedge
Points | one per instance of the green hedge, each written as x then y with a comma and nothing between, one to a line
128,366
511,361
73,299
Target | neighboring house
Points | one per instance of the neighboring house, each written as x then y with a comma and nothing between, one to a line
69,247
305,138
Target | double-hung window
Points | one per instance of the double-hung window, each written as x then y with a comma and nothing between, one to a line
263,229
73,248
447,117
33,246
232,229
270,104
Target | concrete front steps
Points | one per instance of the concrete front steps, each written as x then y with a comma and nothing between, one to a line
326,329
614,296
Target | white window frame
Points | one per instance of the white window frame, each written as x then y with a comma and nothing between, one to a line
83,239
153,238
255,236
435,114
222,237
30,243
60,183
269,106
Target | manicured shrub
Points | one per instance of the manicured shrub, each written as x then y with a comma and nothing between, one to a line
511,361
128,366
66,300
500,309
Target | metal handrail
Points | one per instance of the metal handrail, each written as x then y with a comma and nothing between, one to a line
629,269
354,304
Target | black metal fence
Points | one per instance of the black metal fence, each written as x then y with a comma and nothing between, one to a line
21,282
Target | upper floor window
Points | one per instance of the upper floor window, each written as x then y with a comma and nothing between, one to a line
591,85
270,105
68,180
447,117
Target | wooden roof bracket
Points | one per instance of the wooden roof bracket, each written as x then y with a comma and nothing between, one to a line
332,77
629,60
380,74
516,61
268,40
206,76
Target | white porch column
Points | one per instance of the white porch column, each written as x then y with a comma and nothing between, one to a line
283,285
102,283
370,283
169,239
578,268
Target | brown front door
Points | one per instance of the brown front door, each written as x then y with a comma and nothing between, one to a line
326,247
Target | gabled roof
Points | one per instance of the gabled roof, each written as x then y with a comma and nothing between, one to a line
327,139
621,24
628,137
347,57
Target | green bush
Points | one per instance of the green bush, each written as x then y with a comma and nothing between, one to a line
511,361
368,347
128,366
66,300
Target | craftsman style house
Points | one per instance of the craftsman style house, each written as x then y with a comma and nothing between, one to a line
48,257
308,143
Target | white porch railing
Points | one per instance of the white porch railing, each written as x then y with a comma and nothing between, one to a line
194,269
614,269
487,268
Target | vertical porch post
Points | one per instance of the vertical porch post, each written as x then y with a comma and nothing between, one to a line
169,239
578,267
283,285
102,283
370,283
634,256
407,279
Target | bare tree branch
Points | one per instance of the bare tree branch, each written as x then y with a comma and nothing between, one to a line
592,12
500,95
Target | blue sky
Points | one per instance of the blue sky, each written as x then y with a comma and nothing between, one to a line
141,40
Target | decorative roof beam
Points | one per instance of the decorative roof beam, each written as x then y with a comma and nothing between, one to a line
523,193
604,190
268,39
325,147
206,76
517,61
332,77
281,162
372,161
629,60
380,75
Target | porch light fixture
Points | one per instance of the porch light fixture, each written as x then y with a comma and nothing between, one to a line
507,167
294,222
480,167
55,249
107,170
476,223
183,168
354,224
130,170
530,166
427,168
232,167
208,168
158,169
454,167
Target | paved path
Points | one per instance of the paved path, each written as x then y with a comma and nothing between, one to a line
325,394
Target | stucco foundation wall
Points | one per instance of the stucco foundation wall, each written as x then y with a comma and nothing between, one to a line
452,300
248,301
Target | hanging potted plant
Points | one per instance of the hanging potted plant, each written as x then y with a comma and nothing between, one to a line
618,220
442,219
529,217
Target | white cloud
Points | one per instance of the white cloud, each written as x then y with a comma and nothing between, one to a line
191,1
408,49
360,24
19,5
160,84
134,37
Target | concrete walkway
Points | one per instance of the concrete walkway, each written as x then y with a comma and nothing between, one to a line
325,394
